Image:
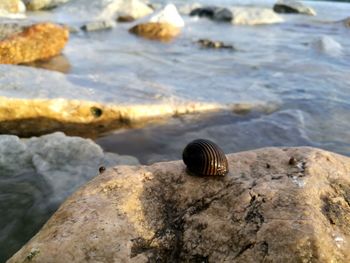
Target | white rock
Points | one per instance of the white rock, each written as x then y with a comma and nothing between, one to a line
249,15
86,10
328,45
169,15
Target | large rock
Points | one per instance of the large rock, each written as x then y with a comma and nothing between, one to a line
12,9
43,4
164,25
60,102
37,175
292,6
275,205
87,10
12,6
30,43
32,117
238,15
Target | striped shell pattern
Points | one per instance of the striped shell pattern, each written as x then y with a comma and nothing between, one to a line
203,157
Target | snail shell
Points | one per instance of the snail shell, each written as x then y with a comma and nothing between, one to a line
203,157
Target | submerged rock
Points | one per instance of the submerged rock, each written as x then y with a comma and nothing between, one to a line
328,46
29,43
59,63
164,25
346,22
238,15
98,25
60,103
207,43
43,4
125,19
292,6
37,175
266,209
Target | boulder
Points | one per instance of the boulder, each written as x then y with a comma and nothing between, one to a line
12,9
164,25
37,174
275,205
60,103
12,6
238,15
293,7
87,11
43,4
248,16
33,42
32,117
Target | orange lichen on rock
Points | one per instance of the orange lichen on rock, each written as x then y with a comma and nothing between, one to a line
39,41
156,31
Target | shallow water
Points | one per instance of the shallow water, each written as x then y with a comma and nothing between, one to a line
279,65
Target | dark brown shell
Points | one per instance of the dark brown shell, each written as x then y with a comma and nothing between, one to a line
203,157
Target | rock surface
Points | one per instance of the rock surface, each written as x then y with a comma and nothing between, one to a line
238,15
86,10
60,103
12,6
32,117
292,6
37,175
12,9
43,4
164,25
276,205
35,42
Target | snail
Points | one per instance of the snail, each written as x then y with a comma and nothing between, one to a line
102,169
203,157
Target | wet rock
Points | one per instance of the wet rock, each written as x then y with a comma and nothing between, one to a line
37,175
238,15
60,103
98,25
209,12
85,10
43,4
125,19
164,25
30,43
284,213
31,117
207,43
292,6
59,63
249,16
346,22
